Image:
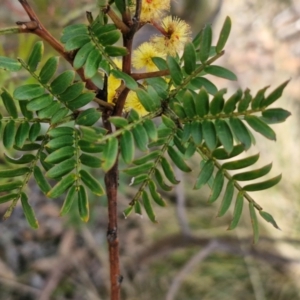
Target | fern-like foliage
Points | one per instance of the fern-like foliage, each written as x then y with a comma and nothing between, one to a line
52,138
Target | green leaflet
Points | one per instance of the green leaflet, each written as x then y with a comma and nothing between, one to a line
73,31
110,153
209,134
159,85
148,207
227,199
60,141
160,63
178,160
90,147
59,131
88,117
138,208
261,127
118,121
140,169
72,92
230,104
267,217
110,37
187,130
133,115
189,58
189,104
217,103
92,183
202,103
144,159
92,134
138,179
259,97
70,198
8,197
127,211
61,82
168,122
146,100
60,154
241,163
62,186
276,94
205,43
49,111
175,70
92,63
161,182
201,82
49,69
241,132
224,34
120,6
90,161
28,212
9,64
140,137
9,134
10,186
155,195
253,174
24,159
39,102
217,186
83,204
224,134
34,131
190,150
127,146
196,132
26,113
76,42
28,147
28,91
22,134
35,56
59,115
179,111
275,115
82,55
178,143
245,102
41,180
238,209
205,174
61,169
9,103
82,100
254,222
262,185
220,72
46,166
114,51
168,170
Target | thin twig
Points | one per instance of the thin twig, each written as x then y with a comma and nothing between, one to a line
138,76
117,21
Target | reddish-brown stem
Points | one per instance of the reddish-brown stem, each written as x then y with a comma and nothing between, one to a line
138,76
117,21
43,33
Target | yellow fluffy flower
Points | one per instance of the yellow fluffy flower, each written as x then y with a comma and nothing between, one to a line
133,101
142,57
153,9
113,83
176,33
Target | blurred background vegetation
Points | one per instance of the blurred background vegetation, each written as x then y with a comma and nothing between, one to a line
188,254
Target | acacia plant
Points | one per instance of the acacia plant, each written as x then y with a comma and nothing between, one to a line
114,100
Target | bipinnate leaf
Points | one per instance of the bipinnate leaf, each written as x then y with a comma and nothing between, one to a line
127,146
83,204
28,212
205,44
49,69
41,180
28,91
217,186
178,160
261,127
110,154
88,117
62,186
148,207
262,185
224,34
92,183
220,72
227,199
175,70
267,217
205,174
9,103
10,64
238,209
275,95
189,58
254,222
35,56
70,198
